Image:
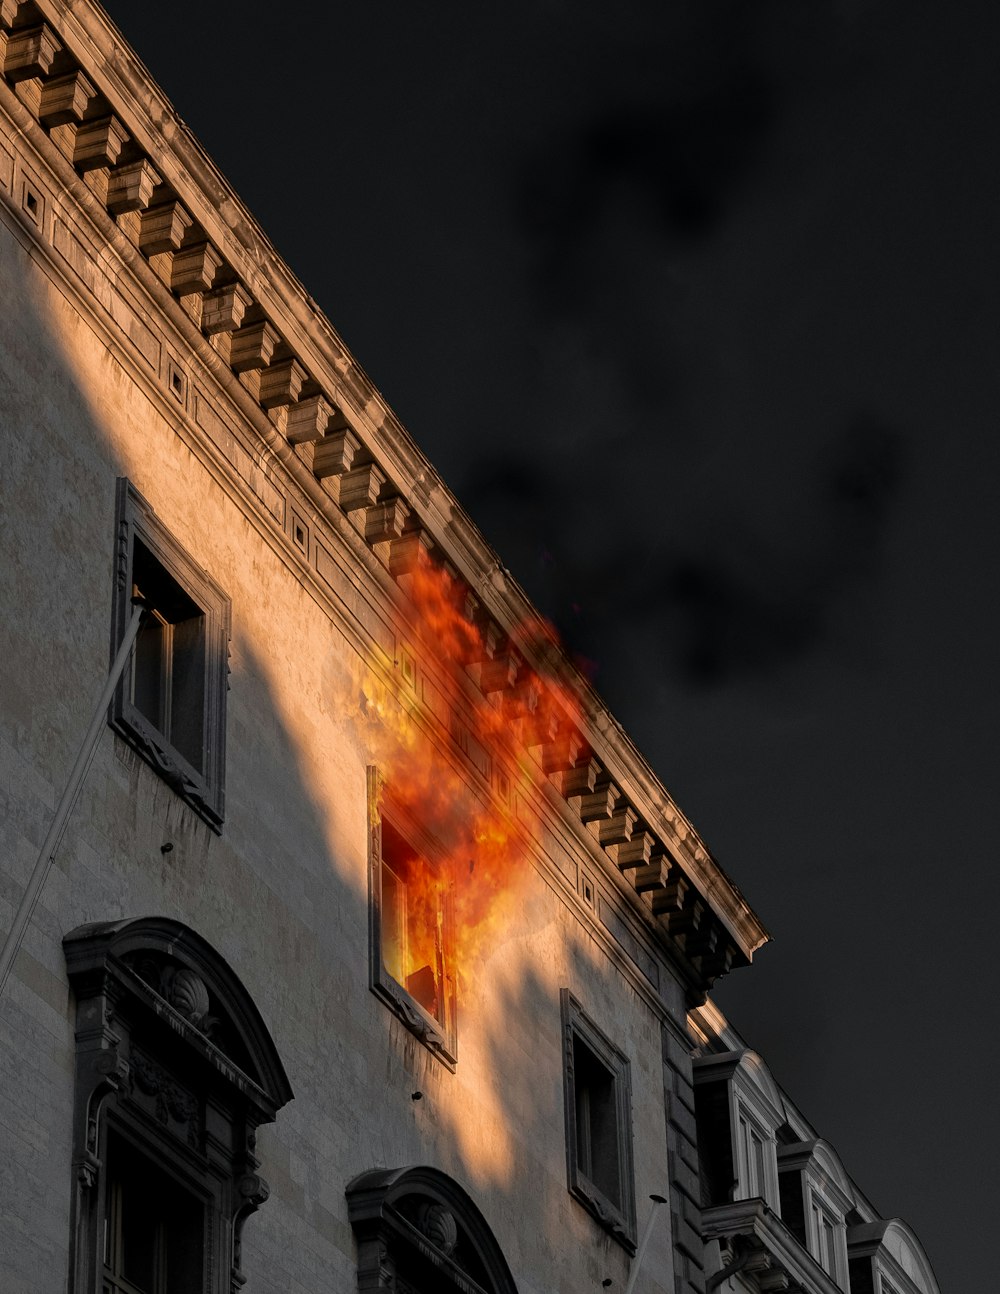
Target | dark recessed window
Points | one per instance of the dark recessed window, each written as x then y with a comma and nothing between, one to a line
411,938
154,1231
171,701
598,1123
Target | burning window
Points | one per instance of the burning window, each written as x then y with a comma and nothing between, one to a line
410,927
598,1123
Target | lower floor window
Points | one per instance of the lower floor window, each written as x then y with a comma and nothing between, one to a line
154,1229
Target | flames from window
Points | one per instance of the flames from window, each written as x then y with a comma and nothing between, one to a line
515,723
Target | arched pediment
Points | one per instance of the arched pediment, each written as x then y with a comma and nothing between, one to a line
828,1159
895,1240
820,1159
752,1074
419,1225
182,978
757,1071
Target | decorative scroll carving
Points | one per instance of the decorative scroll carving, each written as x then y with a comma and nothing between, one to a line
152,1087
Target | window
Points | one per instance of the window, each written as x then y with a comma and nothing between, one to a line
598,1123
752,1156
816,1197
175,1071
170,703
154,1230
825,1231
418,1231
410,932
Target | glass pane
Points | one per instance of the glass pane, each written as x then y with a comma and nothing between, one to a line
393,928
156,1228
139,1236
187,702
757,1175
147,671
597,1121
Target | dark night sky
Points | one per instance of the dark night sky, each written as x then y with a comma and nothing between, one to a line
694,306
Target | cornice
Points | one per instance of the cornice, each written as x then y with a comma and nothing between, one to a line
74,72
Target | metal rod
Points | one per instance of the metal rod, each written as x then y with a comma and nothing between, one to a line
634,1273
65,807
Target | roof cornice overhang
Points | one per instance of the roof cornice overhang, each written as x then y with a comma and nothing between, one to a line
114,125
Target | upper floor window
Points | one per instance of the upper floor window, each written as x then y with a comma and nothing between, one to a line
739,1109
598,1103
824,1228
816,1197
411,926
171,702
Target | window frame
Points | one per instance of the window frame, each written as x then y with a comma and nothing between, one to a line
440,1037
203,788
616,1217
174,1062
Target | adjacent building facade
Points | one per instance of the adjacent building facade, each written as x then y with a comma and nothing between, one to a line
372,956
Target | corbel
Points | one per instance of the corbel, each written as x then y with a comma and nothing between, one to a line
30,52
130,187
65,99
281,383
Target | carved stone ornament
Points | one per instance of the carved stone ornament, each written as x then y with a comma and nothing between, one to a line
186,993
438,1225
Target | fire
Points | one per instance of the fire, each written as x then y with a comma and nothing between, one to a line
454,860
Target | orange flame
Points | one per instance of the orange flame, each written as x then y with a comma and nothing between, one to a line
449,909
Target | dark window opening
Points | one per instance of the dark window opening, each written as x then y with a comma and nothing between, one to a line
168,664
154,1230
598,1124
597,1147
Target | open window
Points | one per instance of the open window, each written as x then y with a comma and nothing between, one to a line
598,1123
170,704
175,1071
411,925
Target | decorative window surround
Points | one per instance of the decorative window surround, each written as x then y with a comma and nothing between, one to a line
598,1105
171,703
175,1071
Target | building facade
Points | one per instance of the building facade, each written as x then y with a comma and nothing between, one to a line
372,955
